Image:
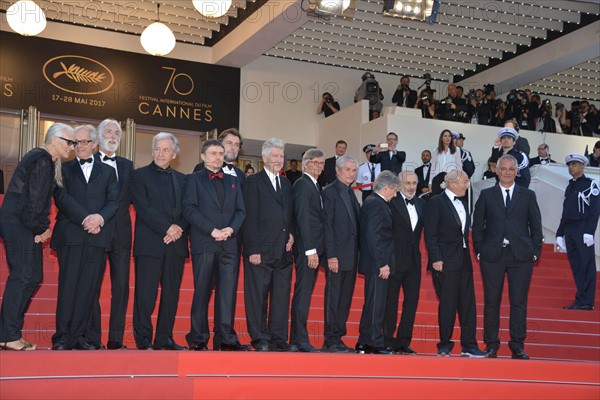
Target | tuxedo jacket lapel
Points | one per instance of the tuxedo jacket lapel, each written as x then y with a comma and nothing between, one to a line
400,205
268,186
452,209
349,207
210,188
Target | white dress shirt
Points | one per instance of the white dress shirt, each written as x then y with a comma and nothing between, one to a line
412,212
109,162
460,209
87,169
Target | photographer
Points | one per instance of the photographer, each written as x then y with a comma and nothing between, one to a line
453,107
370,90
328,105
426,104
546,122
404,96
530,111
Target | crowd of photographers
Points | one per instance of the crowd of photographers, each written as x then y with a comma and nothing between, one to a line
478,106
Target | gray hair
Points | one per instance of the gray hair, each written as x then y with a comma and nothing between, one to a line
311,154
402,175
339,163
91,130
510,158
454,175
109,121
55,129
386,178
270,144
166,136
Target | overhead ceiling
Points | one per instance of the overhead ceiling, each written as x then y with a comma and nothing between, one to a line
469,36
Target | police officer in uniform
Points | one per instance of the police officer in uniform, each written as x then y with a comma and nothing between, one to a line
367,172
575,234
506,144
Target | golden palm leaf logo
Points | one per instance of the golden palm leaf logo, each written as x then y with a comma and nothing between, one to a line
79,74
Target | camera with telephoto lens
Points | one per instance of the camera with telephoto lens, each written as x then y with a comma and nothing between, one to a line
559,106
472,95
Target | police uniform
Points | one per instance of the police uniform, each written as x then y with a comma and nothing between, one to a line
581,209
367,173
523,175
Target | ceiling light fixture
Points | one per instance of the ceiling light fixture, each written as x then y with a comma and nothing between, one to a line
212,8
26,18
157,39
422,10
331,8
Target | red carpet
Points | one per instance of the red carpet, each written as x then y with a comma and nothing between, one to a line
564,345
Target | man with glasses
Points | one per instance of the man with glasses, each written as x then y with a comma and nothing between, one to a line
388,156
86,203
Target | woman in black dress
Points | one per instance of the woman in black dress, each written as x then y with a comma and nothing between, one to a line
25,226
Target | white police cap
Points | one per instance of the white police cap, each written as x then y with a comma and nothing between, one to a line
506,131
580,158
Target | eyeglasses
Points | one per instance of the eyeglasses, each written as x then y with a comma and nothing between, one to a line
69,141
320,163
84,142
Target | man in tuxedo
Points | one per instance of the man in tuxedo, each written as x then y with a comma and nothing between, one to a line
543,157
423,172
507,236
232,141
214,207
367,172
407,218
268,241
376,261
119,255
404,96
309,245
87,203
447,236
160,244
390,158
328,174
341,214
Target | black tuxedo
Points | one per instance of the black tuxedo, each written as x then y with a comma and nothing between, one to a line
309,234
81,255
266,230
538,161
241,175
410,101
341,218
393,164
423,179
213,260
454,284
119,258
521,225
157,197
376,251
407,273
329,174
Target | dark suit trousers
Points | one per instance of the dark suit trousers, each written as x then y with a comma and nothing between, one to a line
519,277
371,319
339,288
267,295
583,264
456,293
222,268
303,289
410,282
24,259
149,271
78,279
217,336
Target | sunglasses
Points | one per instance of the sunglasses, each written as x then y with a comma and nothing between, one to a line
69,141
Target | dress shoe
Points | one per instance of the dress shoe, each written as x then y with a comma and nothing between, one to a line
361,348
97,345
381,350
283,346
60,346
520,355
443,352
305,348
473,353
170,346
199,347
81,345
261,345
406,350
234,347
115,346
337,348
584,307
492,352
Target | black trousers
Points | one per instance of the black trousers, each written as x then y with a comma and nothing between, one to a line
78,279
456,293
303,290
267,298
339,288
149,272
220,266
24,259
519,278
371,319
583,264
410,282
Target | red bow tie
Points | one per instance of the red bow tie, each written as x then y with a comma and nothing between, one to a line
214,175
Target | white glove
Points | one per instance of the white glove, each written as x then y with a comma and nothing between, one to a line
560,242
588,239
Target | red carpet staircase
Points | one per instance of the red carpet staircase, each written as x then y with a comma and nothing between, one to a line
564,347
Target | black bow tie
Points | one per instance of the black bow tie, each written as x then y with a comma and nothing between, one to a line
456,198
426,165
87,160
106,158
228,166
409,201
